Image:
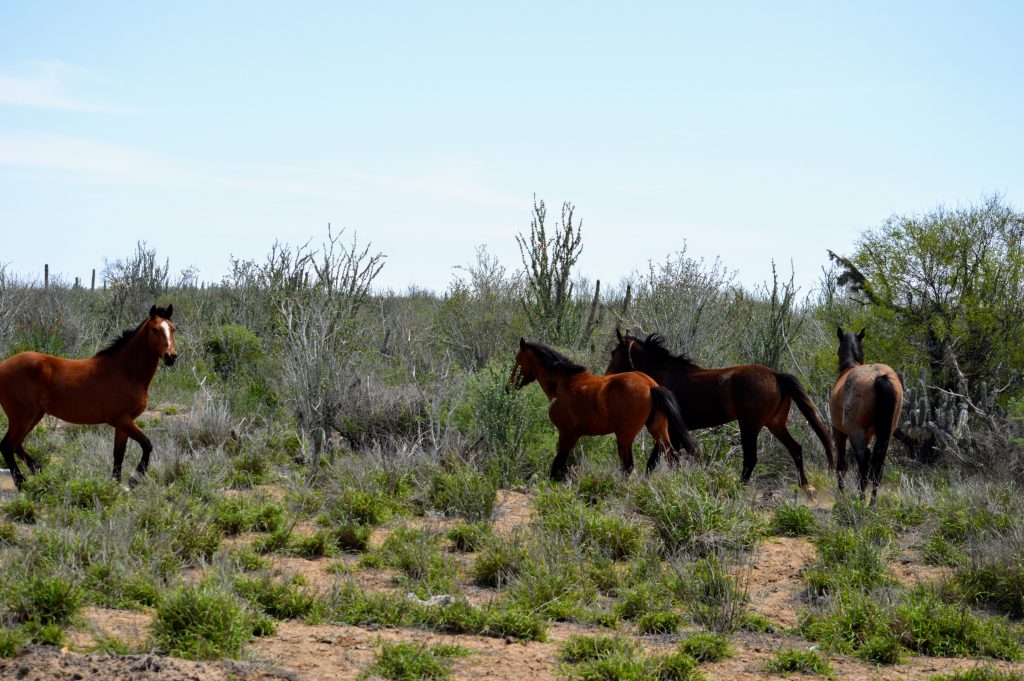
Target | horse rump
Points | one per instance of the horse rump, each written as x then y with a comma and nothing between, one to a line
885,410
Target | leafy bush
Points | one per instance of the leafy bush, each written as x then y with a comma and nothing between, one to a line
233,348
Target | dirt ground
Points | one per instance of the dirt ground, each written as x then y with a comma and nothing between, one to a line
299,651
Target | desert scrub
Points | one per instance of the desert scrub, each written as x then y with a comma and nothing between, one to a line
850,557
929,626
706,647
711,595
11,641
463,492
692,513
562,513
233,515
413,661
793,520
966,516
21,509
470,537
119,584
791,660
501,559
417,554
43,600
279,599
202,622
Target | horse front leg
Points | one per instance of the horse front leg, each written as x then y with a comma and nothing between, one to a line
120,444
135,433
860,450
624,441
560,466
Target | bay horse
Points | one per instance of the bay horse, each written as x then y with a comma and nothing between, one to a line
866,403
584,404
753,394
111,387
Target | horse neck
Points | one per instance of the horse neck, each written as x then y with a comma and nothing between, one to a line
136,360
550,381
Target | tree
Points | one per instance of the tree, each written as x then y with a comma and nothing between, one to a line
954,281
548,264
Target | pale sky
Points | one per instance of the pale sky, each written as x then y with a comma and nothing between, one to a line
749,131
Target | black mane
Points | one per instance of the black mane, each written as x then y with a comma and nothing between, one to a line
849,349
119,342
657,346
555,361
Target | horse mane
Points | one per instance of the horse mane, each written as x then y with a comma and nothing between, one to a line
847,358
554,360
657,346
119,342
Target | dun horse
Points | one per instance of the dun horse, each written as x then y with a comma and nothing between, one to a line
865,403
584,404
752,394
111,387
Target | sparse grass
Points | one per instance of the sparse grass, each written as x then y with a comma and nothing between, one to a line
850,557
463,493
417,554
793,520
501,559
980,674
470,537
790,660
281,600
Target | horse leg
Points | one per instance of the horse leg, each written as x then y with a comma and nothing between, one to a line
783,435
662,443
17,430
135,433
860,451
33,466
877,460
624,440
560,465
120,444
840,441
748,440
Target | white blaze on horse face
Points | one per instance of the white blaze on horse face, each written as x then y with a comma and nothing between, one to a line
167,332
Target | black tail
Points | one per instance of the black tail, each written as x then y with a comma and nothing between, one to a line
665,404
885,409
791,388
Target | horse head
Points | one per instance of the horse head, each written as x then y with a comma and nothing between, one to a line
160,333
522,368
851,352
624,353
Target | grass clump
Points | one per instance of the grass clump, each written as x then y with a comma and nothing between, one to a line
706,647
21,509
470,537
202,622
793,520
850,558
980,674
280,600
44,600
789,660
463,493
417,554
711,595
413,661
659,622
11,641
244,514
500,560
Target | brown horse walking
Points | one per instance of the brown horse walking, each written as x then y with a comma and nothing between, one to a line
752,394
111,387
584,404
866,403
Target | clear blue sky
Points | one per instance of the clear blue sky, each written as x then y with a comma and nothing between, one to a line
749,131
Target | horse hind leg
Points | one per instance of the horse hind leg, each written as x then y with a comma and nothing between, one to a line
796,451
880,449
624,442
748,440
33,465
120,444
840,442
11,443
859,444
662,443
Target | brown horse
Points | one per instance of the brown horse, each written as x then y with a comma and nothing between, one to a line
111,387
752,394
584,404
866,403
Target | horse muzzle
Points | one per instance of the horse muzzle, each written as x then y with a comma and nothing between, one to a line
169,358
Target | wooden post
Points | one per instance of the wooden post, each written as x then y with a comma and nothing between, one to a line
78,282
46,276
92,287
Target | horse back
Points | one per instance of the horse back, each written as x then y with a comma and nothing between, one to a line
855,398
711,397
598,405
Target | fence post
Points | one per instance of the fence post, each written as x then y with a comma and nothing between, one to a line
92,287
46,276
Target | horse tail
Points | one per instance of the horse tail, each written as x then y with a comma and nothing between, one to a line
791,388
885,409
664,403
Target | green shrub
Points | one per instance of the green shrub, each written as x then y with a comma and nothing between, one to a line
659,622
280,600
417,555
202,622
278,541
677,666
45,600
499,561
243,514
578,648
413,662
21,509
793,520
850,557
994,579
931,627
11,641
706,647
351,536
316,545
470,537
791,660
463,493
711,595
233,348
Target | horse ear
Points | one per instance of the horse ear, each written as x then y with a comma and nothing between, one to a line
860,336
839,332
522,342
152,312
618,333
170,311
